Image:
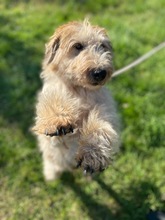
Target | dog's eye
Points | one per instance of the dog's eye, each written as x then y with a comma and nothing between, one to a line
78,46
103,46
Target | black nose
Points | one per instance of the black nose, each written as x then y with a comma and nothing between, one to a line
97,75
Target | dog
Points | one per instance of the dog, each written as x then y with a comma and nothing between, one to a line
76,122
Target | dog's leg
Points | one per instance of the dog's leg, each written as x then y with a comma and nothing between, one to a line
51,169
98,141
54,156
56,114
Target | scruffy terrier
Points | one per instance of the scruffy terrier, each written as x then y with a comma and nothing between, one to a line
76,121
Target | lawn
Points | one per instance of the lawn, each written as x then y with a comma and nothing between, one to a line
135,183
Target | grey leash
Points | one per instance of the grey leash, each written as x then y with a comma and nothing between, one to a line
139,60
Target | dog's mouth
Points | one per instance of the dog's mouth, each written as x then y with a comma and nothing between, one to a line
97,84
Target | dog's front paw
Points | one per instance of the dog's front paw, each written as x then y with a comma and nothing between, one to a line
91,160
58,131
53,128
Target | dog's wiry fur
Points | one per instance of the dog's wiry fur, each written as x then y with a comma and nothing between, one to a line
76,123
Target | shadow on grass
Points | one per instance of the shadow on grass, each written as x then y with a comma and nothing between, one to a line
19,81
133,206
136,206
95,209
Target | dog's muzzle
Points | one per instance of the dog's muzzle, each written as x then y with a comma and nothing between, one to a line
96,76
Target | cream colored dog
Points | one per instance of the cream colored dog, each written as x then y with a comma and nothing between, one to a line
75,121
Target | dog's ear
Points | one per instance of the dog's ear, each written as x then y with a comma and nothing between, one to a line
51,49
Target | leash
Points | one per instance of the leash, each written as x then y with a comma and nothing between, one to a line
139,60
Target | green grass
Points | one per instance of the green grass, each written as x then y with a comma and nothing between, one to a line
135,183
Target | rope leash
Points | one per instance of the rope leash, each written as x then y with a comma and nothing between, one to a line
139,60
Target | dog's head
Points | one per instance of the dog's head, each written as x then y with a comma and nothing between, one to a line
81,53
